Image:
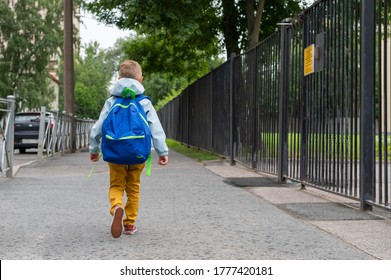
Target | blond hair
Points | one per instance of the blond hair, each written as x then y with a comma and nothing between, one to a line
130,69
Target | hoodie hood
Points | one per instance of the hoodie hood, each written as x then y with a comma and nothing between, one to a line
124,83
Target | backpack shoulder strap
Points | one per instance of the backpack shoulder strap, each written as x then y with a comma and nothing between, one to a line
141,97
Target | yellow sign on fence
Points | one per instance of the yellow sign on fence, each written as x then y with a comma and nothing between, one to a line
309,60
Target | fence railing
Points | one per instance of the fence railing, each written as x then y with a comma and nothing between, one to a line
7,135
311,103
55,137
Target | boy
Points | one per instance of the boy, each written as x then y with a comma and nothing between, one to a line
127,177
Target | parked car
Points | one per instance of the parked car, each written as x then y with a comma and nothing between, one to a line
27,129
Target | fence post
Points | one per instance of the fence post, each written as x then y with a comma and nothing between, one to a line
232,108
187,117
304,129
64,131
10,135
367,118
255,107
210,109
54,132
41,133
197,114
283,102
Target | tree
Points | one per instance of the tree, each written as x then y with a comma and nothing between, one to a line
161,79
93,74
30,34
254,14
198,24
251,21
230,27
179,41
175,37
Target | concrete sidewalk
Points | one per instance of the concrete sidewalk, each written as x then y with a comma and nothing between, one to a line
188,210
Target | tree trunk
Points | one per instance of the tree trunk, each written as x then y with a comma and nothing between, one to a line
254,18
230,27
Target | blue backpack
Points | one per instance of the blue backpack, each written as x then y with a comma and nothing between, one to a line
126,138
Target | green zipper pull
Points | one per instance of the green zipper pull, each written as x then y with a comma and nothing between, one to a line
149,165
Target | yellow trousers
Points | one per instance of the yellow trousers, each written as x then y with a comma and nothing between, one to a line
125,178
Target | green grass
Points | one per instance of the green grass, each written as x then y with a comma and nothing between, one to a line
191,152
349,144
333,144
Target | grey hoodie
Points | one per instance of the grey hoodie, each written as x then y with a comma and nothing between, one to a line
157,132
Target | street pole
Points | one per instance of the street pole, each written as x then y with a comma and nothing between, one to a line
69,70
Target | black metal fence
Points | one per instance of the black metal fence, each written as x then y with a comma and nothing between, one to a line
311,103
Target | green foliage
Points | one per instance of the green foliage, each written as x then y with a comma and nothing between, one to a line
176,39
162,76
276,11
193,26
174,59
185,20
158,87
28,38
93,74
167,98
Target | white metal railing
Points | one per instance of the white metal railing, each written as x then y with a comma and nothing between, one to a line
55,136
7,110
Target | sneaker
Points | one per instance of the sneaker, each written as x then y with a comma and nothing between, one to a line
129,229
116,224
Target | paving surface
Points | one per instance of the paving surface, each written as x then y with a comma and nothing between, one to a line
188,210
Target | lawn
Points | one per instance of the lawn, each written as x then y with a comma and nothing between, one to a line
192,152
329,145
